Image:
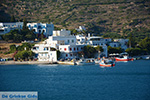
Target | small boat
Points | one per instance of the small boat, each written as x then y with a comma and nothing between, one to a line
85,62
107,63
123,57
146,57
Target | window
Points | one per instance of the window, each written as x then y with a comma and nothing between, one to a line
72,41
77,49
66,55
46,48
65,49
68,41
45,54
70,54
39,27
39,31
43,26
70,49
74,49
35,25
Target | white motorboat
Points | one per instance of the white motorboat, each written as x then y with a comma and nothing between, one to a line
85,62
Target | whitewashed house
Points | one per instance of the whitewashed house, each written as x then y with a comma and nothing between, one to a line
44,53
114,44
38,28
81,28
80,39
8,26
65,42
93,41
119,43
123,43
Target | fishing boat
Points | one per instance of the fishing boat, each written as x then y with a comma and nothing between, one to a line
107,63
85,62
123,57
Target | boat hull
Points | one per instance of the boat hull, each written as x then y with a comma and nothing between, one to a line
107,65
122,59
81,63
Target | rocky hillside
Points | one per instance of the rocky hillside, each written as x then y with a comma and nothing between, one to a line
101,16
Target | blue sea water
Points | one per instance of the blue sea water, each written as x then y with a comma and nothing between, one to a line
125,81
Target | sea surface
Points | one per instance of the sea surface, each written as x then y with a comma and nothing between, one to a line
125,81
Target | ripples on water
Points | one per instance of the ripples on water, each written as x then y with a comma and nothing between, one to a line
125,81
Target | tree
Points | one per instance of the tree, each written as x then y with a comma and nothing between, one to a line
114,50
12,19
13,35
28,46
18,55
134,51
80,53
24,54
99,49
25,24
131,40
74,31
89,51
145,44
20,48
30,35
12,48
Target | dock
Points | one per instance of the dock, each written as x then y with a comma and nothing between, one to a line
25,62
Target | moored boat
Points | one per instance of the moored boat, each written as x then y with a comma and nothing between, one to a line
123,57
85,62
107,63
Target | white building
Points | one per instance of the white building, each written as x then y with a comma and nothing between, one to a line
114,44
70,45
65,42
44,53
7,27
123,43
81,28
93,41
81,39
62,32
38,28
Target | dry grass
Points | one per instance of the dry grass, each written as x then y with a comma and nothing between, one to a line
5,48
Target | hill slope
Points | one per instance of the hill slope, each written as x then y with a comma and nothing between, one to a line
100,16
